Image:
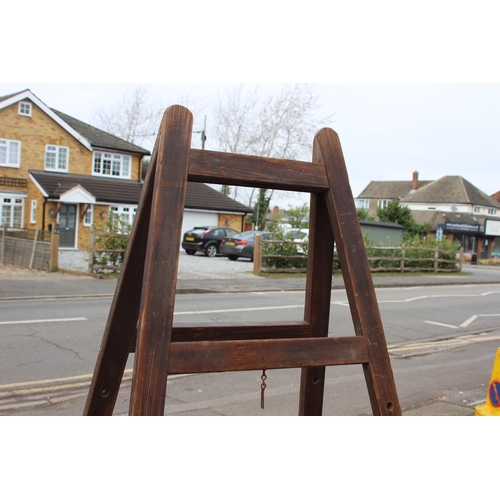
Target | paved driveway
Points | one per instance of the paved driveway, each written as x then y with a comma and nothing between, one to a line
199,266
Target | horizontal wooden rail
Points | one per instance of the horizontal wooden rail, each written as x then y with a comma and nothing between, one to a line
205,357
239,170
241,331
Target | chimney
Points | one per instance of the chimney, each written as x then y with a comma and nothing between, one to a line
414,182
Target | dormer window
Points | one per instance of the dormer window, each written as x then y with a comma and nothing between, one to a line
477,210
25,108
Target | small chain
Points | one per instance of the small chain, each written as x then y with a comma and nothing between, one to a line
262,388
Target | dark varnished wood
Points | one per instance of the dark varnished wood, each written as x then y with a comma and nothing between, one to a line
149,382
241,170
141,316
124,313
317,299
227,356
224,331
357,276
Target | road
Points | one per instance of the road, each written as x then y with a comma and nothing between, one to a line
49,349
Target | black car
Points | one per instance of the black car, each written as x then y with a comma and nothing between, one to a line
206,239
241,245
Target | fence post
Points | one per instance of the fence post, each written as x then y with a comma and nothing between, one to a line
4,234
403,255
54,249
436,260
91,250
33,251
257,254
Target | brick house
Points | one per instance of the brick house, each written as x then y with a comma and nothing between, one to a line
57,169
451,205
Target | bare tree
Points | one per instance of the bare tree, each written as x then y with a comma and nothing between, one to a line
135,116
278,124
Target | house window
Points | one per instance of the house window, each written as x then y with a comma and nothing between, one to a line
11,212
112,165
56,158
10,153
363,204
33,212
492,211
25,108
477,210
87,218
126,215
383,203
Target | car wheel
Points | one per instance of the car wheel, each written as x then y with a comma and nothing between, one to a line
232,257
190,252
211,250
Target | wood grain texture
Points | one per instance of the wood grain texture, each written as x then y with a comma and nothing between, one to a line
124,312
151,361
357,276
255,171
317,298
240,331
228,356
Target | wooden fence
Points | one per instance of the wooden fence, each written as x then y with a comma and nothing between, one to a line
389,259
31,248
101,258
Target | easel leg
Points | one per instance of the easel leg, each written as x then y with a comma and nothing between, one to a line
124,312
317,303
357,277
154,334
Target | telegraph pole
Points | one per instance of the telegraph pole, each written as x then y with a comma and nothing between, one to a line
203,133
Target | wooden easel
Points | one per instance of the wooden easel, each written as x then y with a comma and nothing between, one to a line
141,315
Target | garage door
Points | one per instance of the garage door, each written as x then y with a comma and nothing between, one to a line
192,218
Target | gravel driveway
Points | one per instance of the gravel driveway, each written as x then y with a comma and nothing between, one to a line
199,266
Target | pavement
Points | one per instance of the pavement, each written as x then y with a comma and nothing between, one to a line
36,285
65,284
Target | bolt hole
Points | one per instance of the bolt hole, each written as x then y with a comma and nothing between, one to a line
390,406
105,393
315,380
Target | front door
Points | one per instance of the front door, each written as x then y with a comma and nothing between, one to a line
67,226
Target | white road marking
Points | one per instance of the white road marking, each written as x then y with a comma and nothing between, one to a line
469,321
243,309
54,320
440,324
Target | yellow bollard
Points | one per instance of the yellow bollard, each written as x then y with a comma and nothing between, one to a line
492,406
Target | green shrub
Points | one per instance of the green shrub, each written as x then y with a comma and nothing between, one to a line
114,226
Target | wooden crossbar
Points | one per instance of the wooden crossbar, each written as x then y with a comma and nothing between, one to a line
141,316
240,170
240,355
240,331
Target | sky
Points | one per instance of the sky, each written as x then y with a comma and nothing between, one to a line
411,86
387,131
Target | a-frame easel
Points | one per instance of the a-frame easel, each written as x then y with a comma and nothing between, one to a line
141,315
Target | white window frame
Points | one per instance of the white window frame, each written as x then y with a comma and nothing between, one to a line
57,150
88,217
106,164
383,203
8,144
492,211
477,210
129,210
13,202
23,105
360,203
33,212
